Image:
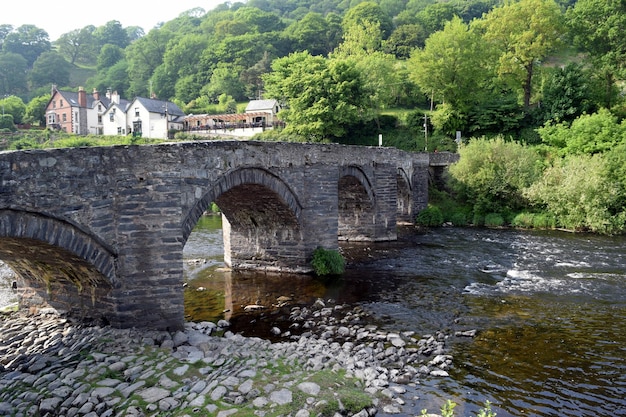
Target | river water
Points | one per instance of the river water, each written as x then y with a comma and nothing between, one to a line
549,307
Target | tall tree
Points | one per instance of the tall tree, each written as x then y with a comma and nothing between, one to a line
452,66
78,45
36,110
525,32
28,41
322,97
112,32
371,12
598,29
50,68
12,73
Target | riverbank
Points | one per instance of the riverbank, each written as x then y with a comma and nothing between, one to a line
53,365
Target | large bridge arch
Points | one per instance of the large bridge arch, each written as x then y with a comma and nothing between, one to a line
260,218
57,263
405,196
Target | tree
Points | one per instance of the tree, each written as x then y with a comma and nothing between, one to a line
371,12
404,39
492,174
311,34
12,73
597,28
78,45
524,32
322,97
36,110
109,55
452,67
28,41
588,134
14,106
50,68
112,33
143,57
567,94
225,80
435,16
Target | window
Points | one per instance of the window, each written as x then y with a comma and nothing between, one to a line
61,103
136,111
112,116
54,104
119,130
99,119
99,107
64,117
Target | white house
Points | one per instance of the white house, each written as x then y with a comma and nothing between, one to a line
263,111
114,119
143,117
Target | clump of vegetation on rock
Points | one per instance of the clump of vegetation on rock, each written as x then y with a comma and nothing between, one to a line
328,262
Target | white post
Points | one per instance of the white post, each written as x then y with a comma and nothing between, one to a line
380,139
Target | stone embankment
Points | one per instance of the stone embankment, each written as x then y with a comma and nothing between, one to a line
52,365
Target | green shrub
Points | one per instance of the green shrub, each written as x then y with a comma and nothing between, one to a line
431,216
458,219
494,220
327,262
524,220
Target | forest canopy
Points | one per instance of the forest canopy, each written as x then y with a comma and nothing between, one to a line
537,84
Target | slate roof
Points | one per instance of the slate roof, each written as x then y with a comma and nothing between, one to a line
257,105
158,106
72,98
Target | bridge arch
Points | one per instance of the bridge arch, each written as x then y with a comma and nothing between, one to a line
57,264
260,218
15,224
356,204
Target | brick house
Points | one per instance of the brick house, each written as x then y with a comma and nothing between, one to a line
76,112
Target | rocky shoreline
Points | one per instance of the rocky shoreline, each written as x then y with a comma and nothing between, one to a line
52,365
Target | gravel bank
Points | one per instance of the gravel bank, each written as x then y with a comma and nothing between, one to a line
51,365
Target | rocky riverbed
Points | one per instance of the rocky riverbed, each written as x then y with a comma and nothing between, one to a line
53,365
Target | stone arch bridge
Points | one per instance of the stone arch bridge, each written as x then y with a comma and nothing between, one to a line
101,231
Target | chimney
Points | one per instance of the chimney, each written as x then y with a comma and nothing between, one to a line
82,97
115,97
96,94
108,94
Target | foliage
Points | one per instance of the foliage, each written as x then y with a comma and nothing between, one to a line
494,220
567,94
524,32
593,25
327,262
322,96
50,68
492,174
588,134
431,216
14,106
12,73
582,194
451,66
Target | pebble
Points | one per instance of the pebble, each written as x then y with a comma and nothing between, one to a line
52,364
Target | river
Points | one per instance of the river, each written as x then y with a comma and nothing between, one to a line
549,307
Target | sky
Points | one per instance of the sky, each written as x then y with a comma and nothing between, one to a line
61,16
